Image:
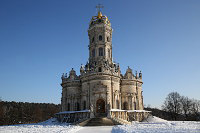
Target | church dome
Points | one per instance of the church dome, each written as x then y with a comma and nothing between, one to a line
100,19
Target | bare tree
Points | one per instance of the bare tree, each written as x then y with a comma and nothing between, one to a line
172,104
186,106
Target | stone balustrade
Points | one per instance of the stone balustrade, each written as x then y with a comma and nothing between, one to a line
120,116
73,116
126,116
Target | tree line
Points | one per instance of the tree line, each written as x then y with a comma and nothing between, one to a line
23,112
181,107
175,107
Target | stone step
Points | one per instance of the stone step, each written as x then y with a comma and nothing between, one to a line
101,121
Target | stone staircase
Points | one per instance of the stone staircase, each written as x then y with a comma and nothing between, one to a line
99,121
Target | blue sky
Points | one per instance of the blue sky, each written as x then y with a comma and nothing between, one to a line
41,39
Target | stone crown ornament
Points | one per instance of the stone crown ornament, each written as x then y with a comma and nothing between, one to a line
99,19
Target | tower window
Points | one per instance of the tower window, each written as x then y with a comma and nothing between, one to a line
93,39
100,37
108,39
99,69
93,53
100,51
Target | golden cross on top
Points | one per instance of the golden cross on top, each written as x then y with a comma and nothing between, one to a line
99,6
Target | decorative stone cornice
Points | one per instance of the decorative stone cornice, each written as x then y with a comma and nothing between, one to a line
71,84
99,76
131,82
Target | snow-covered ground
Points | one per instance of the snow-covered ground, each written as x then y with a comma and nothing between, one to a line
151,125
49,126
38,129
157,125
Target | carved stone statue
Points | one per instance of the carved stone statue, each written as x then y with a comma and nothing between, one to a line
91,111
91,108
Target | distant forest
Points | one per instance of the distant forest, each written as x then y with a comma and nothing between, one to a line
23,113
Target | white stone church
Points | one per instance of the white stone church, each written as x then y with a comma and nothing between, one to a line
101,89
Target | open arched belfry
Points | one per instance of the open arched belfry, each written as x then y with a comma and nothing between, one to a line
101,87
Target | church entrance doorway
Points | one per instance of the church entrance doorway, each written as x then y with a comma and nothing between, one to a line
100,107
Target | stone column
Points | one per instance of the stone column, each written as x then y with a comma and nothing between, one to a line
132,99
120,101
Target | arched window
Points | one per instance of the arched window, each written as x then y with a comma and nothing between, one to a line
93,53
93,39
100,37
77,106
134,103
99,70
117,104
84,105
108,39
68,106
125,106
100,51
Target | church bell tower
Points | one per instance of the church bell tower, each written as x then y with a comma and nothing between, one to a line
100,39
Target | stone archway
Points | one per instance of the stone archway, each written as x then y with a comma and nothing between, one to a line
100,106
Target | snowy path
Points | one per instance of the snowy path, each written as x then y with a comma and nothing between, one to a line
95,129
